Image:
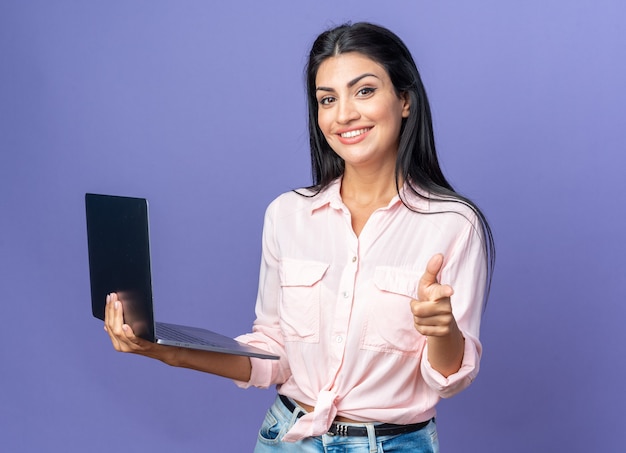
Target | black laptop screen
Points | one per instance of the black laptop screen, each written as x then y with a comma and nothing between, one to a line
119,258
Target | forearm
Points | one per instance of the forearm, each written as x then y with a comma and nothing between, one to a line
445,353
226,365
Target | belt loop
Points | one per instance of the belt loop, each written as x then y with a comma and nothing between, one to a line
294,416
295,411
371,437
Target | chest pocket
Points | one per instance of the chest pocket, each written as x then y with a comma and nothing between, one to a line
389,322
301,288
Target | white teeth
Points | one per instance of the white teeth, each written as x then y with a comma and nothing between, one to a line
353,134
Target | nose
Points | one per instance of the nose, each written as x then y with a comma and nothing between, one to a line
347,111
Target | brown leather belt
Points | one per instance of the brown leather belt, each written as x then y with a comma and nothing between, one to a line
343,429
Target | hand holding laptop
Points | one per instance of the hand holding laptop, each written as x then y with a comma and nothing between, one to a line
124,340
123,337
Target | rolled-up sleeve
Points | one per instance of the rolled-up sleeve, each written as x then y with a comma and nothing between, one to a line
453,384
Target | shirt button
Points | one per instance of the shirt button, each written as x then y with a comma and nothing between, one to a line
346,294
354,259
339,339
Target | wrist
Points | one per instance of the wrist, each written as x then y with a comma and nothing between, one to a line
171,355
445,353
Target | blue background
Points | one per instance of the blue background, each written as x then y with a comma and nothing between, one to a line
200,107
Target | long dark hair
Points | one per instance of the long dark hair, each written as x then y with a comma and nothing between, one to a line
417,164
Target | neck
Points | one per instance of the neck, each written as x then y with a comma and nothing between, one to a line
367,189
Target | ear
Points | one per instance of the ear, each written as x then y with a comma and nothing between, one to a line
406,106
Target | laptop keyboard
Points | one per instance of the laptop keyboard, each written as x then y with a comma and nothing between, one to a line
167,332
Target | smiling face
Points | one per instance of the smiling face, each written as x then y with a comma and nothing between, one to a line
359,111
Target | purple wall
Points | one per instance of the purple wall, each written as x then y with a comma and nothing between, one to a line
200,108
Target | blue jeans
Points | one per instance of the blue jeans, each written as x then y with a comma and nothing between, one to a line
279,419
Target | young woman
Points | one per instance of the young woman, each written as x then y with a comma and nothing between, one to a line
372,281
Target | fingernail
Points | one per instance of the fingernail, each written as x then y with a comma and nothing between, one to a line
117,305
108,298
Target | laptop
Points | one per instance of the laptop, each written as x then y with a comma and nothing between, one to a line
119,261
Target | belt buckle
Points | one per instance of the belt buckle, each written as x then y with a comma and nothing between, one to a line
339,430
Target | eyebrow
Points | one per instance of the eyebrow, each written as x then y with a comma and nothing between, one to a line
351,83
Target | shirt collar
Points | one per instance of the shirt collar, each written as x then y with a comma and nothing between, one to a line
328,196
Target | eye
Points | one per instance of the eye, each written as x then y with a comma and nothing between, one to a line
364,92
326,100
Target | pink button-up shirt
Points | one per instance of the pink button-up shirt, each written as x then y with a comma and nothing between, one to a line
335,306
